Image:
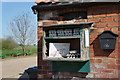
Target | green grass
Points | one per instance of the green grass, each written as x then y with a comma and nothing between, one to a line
9,52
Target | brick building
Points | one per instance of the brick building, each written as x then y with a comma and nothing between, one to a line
103,63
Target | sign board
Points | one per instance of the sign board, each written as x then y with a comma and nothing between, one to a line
58,49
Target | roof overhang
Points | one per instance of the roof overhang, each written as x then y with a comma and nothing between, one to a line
67,25
60,5
53,6
53,1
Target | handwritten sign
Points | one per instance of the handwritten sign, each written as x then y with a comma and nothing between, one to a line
58,49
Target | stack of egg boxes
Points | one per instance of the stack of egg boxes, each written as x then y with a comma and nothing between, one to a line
68,32
73,54
60,32
76,31
52,33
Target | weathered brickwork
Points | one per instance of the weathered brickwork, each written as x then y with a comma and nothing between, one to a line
104,64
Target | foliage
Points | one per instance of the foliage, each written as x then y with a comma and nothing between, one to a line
10,52
0,44
9,43
33,49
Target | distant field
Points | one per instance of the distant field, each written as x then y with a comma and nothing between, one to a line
9,52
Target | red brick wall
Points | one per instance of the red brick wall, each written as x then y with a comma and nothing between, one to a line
45,69
104,64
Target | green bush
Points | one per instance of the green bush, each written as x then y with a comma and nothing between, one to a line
32,49
0,44
11,52
9,43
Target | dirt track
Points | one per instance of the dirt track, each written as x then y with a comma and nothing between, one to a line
12,67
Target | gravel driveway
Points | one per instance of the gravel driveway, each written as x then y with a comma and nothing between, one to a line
12,67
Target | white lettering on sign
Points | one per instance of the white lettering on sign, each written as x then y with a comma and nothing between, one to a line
58,49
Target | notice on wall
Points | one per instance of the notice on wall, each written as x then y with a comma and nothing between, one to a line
58,49
86,38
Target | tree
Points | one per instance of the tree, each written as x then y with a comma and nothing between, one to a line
9,43
23,31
